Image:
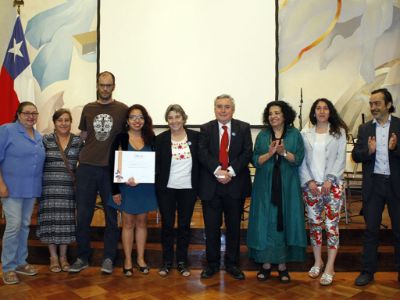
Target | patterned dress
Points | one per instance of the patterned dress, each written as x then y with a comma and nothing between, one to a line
56,217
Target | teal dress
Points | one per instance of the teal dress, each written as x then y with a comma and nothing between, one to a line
265,242
138,199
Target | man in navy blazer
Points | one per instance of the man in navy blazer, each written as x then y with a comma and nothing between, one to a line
378,150
223,190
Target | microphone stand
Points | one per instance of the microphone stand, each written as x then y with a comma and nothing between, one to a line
301,110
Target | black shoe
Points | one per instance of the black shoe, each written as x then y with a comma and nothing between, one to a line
208,272
235,272
364,278
183,269
164,270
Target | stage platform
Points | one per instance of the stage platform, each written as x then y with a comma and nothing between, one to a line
348,258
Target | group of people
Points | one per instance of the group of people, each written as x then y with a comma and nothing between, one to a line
295,172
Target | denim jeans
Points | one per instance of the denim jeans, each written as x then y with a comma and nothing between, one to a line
18,212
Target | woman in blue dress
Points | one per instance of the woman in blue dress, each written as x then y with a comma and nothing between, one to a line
134,199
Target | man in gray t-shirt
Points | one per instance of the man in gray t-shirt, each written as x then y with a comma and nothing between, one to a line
100,122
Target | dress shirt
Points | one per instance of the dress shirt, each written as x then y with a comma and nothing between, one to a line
382,148
21,161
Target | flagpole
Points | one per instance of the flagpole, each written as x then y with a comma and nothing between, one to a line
18,3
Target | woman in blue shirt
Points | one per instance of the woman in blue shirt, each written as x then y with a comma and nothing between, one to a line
21,165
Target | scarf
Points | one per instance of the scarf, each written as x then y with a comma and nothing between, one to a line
276,188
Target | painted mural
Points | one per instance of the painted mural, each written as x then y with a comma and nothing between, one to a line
338,49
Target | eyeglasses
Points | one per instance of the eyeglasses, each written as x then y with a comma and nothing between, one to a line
108,86
136,118
32,114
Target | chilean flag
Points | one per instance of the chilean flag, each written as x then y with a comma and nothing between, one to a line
16,80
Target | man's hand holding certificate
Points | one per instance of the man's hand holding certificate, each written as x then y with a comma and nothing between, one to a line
139,165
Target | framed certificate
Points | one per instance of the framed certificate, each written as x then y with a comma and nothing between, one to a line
140,165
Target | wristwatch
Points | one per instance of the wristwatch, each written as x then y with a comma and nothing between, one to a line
284,153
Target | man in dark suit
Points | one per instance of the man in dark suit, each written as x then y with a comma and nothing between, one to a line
378,150
225,150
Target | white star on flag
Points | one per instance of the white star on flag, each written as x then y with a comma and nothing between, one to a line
16,50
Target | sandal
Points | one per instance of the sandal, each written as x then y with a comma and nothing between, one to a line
144,270
315,271
183,269
284,276
10,277
326,279
264,273
54,264
64,264
164,270
128,272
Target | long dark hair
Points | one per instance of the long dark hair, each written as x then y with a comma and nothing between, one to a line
335,121
147,129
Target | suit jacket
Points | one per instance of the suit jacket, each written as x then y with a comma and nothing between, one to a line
240,153
121,140
335,156
360,155
164,155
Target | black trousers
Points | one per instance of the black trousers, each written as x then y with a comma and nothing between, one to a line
213,210
89,181
382,194
171,201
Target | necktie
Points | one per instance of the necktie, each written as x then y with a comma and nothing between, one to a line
223,149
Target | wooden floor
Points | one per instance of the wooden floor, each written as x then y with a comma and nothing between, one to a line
90,284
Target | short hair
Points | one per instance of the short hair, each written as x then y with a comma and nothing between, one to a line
288,112
104,73
21,106
178,109
335,121
59,112
147,129
225,96
387,96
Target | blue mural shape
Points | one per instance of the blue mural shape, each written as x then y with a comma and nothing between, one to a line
52,32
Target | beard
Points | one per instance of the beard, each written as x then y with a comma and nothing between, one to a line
104,97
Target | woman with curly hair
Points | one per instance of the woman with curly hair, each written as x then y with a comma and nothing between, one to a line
321,178
134,199
276,232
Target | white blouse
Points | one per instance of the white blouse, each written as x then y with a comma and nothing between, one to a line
180,176
319,159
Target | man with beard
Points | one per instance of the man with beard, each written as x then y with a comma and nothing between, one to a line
100,122
378,150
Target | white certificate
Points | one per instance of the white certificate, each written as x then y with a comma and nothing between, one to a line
140,165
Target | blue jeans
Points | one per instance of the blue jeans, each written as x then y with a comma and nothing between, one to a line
18,213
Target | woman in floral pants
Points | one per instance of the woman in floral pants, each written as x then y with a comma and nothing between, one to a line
321,176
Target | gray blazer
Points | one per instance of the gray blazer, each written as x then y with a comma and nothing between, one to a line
335,156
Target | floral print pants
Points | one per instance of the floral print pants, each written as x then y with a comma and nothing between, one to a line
315,206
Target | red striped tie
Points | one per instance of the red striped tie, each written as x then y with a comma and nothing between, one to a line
223,149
